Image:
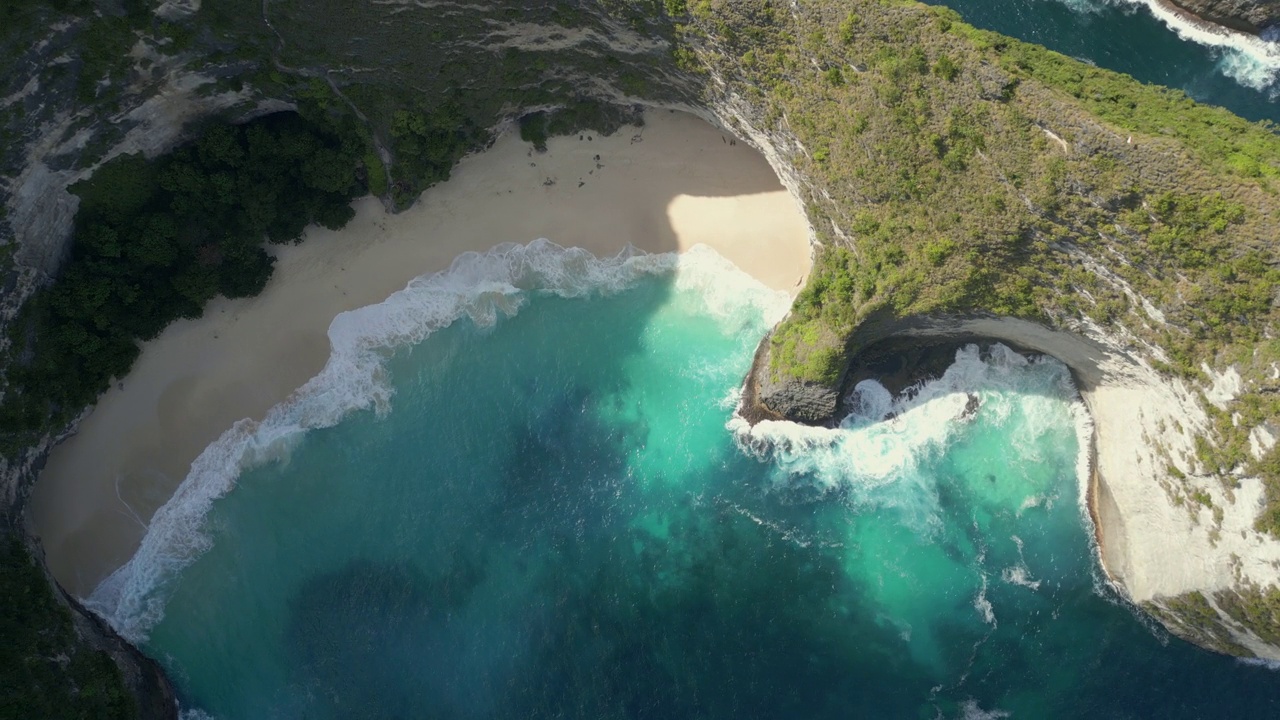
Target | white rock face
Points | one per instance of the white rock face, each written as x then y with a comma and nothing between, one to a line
1164,528
1225,386
1261,439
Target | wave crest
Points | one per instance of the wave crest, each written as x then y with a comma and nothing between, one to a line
884,438
483,287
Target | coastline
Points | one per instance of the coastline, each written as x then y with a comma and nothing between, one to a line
1210,33
1223,24
674,183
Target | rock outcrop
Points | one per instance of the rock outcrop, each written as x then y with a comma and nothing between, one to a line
729,61
1250,16
1145,425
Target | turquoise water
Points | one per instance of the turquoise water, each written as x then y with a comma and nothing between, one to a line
519,491
1124,35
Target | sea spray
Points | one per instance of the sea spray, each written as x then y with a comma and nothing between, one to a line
480,286
885,438
549,519
1250,61
1148,41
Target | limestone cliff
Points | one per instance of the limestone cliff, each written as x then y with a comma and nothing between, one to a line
958,184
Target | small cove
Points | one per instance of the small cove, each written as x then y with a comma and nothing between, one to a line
555,514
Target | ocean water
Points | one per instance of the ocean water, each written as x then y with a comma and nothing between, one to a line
1129,36
519,490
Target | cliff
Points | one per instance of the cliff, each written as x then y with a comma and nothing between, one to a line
1251,16
1095,227
958,183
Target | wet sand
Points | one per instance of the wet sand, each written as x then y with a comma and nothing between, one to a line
671,184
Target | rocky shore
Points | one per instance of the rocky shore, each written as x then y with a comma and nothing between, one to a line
1256,17
1144,428
769,82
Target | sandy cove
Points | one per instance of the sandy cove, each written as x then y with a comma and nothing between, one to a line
671,184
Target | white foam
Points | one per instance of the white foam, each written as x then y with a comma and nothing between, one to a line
871,401
1084,7
480,286
1019,575
1083,423
972,711
1247,59
884,440
1273,665
983,605
1252,61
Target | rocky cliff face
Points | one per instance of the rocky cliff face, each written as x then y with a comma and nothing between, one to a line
1144,429
789,80
1251,16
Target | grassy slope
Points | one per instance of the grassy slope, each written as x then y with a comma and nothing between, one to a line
942,190
938,188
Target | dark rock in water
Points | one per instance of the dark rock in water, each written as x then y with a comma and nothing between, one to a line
1250,16
971,407
899,353
806,402
767,398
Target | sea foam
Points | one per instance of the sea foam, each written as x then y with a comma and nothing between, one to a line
483,287
884,439
1253,62
1250,61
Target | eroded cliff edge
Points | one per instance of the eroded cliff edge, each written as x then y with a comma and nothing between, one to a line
957,182
1167,551
1258,17
1025,198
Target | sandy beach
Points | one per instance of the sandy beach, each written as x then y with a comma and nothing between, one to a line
671,184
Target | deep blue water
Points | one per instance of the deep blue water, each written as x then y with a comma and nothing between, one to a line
1125,36
553,514
519,491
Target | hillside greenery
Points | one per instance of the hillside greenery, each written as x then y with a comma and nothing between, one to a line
954,170
155,240
44,670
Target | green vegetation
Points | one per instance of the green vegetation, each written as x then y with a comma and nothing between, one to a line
427,144
155,241
575,117
958,171
953,171
45,670
1192,618
1255,608
104,46
1217,137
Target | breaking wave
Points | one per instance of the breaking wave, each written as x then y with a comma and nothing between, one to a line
482,287
883,439
1251,61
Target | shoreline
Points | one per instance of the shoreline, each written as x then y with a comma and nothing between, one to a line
664,187
1225,26
1191,27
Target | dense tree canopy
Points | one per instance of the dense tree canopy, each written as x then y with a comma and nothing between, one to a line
154,241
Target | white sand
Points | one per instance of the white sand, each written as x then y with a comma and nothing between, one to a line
672,184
